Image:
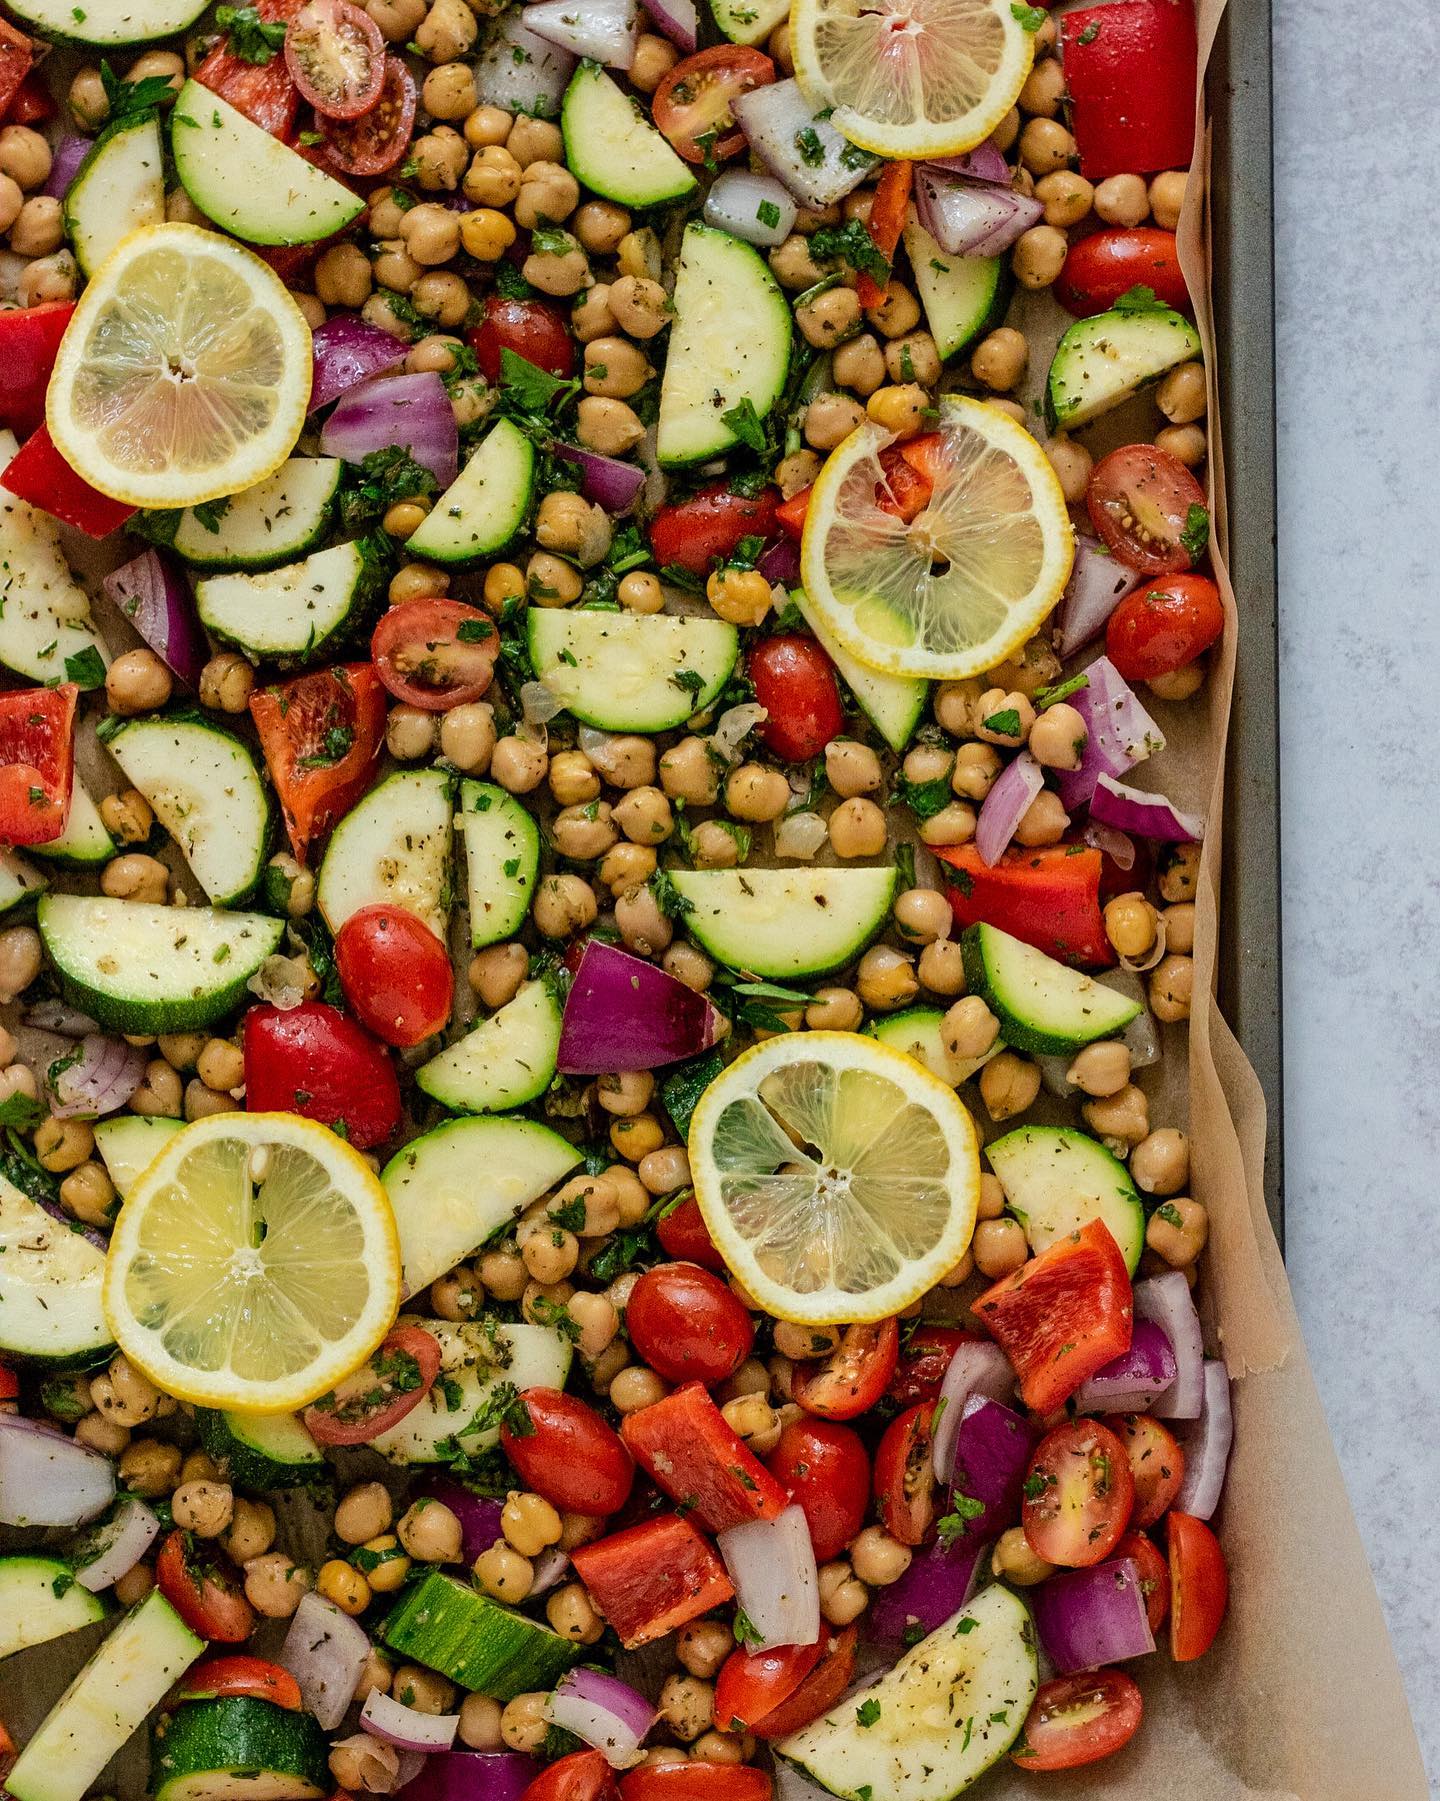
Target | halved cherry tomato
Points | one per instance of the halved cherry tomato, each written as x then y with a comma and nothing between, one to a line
264,91
687,1324
1079,1719
240,1675
391,1383
1157,1464
533,329
696,1781
29,339
582,1776
1149,509
9,1383
691,106
1199,1586
1163,625
321,734
752,1683
33,104
313,1059
38,473
855,1374
1107,264
705,529
1078,1495
37,762
886,221
818,1692
570,1456
905,1475
652,1578
824,1469
683,1233
690,1450
336,57
376,141
1048,897
435,654
204,1588
924,1358
396,974
795,682
1154,1575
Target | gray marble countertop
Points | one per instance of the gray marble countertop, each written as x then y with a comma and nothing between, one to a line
1359,470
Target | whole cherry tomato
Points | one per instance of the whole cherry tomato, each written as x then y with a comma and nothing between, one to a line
855,1374
825,1468
396,973
204,1588
1163,625
534,329
1149,509
692,104
687,1324
569,1456
905,1475
1157,1464
1107,264
314,1060
708,527
684,1234
391,1383
795,682
1078,1495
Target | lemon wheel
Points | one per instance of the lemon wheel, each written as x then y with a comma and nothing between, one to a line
912,78
838,1178
184,374
254,1264
959,587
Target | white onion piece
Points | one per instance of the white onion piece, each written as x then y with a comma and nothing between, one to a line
772,1564
778,120
1166,1300
1207,1447
603,1711
411,1764
975,1369
604,30
406,1727
549,1567
325,1652
538,703
521,71
46,1479
800,835
114,1548
734,726
756,208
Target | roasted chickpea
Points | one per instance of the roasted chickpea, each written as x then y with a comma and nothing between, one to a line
640,592
24,156
343,276
364,1513
449,93
1013,1560
519,763
969,1029
137,682
564,904
922,915
1130,924
942,966
1045,145
1039,256
609,426
1101,1069
998,361
640,306
1123,1116
1066,197
1167,196
999,1245
829,418
1008,1085
616,367
885,979
740,596
1178,1230
534,140
1043,821
858,828
446,32
852,768
1181,395
1172,987
859,364
430,1532
561,268
409,733
842,1597
756,794
1123,200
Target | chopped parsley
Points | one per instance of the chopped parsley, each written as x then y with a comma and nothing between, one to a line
1004,724
852,244
86,668
252,39
1195,538
868,1712
1028,18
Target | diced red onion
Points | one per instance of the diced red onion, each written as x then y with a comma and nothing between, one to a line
347,351
1119,733
1207,1446
605,480
979,1368
1006,805
115,1547
46,1479
778,120
1130,1383
1098,583
939,1581
1118,846
623,1013
102,1081
155,597
479,1515
992,1450
412,411
547,1569
1167,1300
986,162
1143,814
604,1711
324,1651
772,1564
406,1727
743,204
521,71
1093,1617
781,563
677,19
604,30
972,218
473,1776
65,163
59,1016
411,1764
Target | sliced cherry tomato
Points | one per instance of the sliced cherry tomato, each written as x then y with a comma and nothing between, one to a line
435,654
1162,626
690,1450
582,1776
379,138
924,1358
1154,1575
391,1383
1199,1586
687,1324
752,1683
204,1588
683,1233
905,1475
570,1455
652,1578
795,682
692,104
240,1675
38,473
533,329
1107,264
1157,1464
1149,509
1049,898
1063,1315
1130,75
886,221
826,1472
37,762
696,1781
321,734
790,514
396,974
705,529
336,57
29,339
1079,1719
1078,1495
9,1383
17,53
855,1374
313,1059
264,91
818,1692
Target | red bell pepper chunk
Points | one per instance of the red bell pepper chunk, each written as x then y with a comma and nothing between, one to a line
17,53
790,514
886,222
1131,70
1049,898
38,473
33,104
37,762
652,1578
29,340
9,1383
1063,1315
692,1453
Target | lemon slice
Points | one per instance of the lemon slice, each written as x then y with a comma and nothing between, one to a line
254,1264
184,374
911,78
838,1177
957,589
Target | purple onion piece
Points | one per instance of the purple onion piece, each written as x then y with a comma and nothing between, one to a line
1142,814
411,411
348,351
154,595
624,1013
939,1581
1089,1618
1119,733
1006,805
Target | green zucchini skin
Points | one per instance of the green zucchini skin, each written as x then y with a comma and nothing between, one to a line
237,1745
475,1641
